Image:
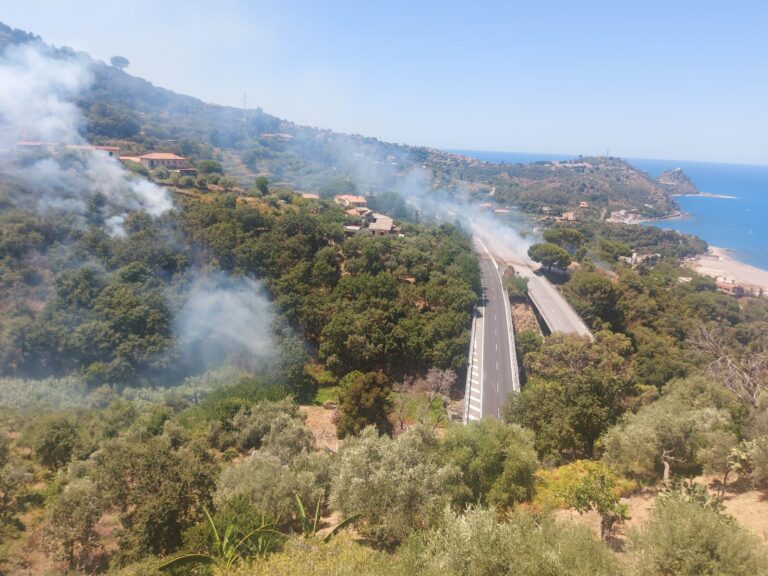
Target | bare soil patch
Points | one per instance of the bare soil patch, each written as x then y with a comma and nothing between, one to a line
320,421
749,508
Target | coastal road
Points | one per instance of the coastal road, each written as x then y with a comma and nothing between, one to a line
493,373
554,309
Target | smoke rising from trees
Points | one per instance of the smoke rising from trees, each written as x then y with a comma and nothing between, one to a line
37,104
226,317
222,317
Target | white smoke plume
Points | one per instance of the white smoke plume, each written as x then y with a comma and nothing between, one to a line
226,318
418,190
222,318
37,91
370,169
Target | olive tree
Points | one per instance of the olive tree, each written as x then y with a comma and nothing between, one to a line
71,529
497,462
398,486
688,426
476,543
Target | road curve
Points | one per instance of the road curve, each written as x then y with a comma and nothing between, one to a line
554,309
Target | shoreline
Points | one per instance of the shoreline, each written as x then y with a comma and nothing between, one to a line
719,263
705,195
671,216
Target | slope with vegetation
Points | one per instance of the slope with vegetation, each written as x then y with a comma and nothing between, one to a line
125,450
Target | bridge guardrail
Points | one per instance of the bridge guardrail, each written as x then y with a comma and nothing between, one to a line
470,365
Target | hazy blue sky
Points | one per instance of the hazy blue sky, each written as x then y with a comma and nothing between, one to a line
673,79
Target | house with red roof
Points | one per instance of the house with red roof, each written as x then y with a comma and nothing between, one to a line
166,159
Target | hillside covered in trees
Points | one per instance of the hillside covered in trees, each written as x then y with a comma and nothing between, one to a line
130,112
169,343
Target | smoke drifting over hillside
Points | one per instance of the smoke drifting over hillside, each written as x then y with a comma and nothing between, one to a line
39,87
417,188
222,318
226,318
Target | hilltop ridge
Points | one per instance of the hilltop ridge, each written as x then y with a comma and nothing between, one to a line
677,182
130,112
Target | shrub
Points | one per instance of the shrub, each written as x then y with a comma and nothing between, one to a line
683,537
54,441
269,486
342,556
497,462
71,531
160,173
364,400
253,423
397,485
477,544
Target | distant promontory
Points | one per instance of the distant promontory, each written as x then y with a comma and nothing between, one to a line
677,182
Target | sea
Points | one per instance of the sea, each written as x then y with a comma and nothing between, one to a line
739,224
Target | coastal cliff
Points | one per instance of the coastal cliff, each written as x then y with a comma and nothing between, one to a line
677,182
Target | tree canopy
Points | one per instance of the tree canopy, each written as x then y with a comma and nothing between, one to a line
549,255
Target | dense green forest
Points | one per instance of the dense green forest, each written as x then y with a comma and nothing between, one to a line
80,300
168,376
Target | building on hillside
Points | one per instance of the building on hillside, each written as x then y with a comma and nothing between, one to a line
382,225
351,201
583,204
110,150
276,136
33,145
569,216
730,288
309,196
166,159
366,214
637,259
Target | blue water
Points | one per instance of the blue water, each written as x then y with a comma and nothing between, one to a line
740,224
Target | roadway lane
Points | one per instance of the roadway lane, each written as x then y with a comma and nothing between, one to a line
497,360
555,310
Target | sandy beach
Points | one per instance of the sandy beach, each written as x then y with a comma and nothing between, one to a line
719,264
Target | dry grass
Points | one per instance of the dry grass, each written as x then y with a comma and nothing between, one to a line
523,318
320,421
749,508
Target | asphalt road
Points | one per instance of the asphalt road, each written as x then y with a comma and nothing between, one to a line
552,306
497,363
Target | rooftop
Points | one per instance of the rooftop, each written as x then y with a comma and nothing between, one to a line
161,156
352,198
383,223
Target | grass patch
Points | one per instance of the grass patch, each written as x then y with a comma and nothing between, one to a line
416,407
326,394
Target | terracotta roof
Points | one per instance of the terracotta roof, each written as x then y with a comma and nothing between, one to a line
91,147
161,156
383,223
136,159
352,198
